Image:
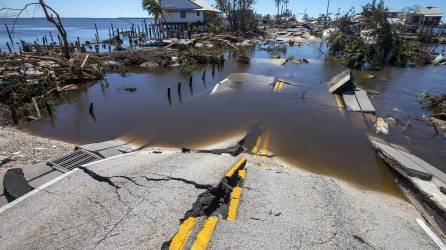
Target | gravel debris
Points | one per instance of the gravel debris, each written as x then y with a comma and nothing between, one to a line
23,148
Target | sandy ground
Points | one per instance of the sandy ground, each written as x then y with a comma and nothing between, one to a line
24,148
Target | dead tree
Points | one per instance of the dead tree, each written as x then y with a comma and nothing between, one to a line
52,16
58,23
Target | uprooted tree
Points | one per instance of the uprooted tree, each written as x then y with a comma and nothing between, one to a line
373,41
240,14
52,16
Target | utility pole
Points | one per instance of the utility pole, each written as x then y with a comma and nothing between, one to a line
326,14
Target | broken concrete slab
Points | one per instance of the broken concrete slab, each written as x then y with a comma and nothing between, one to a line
267,61
15,185
399,161
232,146
4,159
351,103
364,101
122,146
236,81
340,81
133,201
282,207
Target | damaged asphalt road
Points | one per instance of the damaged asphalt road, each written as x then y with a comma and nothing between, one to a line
138,201
131,202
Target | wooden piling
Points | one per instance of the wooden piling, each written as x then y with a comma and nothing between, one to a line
190,80
36,106
91,110
97,33
203,77
9,34
14,116
168,93
9,47
48,108
179,88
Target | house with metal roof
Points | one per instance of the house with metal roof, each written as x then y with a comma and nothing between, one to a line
188,11
425,17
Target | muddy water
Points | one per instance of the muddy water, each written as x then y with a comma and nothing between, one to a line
302,122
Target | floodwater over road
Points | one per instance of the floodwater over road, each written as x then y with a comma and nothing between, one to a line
303,123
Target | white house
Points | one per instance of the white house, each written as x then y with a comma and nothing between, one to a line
187,11
427,16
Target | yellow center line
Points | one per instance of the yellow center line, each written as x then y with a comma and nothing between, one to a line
236,167
264,150
233,204
180,239
255,149
242,174
205,234
276,86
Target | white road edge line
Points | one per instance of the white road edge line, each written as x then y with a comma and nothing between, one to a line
45,185
431,234
26,196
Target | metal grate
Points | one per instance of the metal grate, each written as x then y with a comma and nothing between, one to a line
74,160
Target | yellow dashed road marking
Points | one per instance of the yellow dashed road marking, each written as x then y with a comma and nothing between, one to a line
180,239
256,148
233,204
205,234
242,174
236,167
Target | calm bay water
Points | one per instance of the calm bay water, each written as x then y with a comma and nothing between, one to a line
31,29
310,132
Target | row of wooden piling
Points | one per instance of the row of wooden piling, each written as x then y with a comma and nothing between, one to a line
134,33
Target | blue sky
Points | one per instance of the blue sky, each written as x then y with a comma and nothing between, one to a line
132,8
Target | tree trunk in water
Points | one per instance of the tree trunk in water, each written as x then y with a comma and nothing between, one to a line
59,26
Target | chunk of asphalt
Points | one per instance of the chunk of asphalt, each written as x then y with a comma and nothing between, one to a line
15,185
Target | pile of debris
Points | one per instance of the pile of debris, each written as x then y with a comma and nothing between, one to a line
28,75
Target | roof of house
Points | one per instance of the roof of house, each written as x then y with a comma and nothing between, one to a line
429,11
205,6
183,5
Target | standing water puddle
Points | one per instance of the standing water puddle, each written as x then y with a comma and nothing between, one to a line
304,125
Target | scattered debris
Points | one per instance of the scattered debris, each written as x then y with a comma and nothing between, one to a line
381,126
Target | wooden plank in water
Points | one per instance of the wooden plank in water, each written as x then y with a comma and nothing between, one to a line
400,161
338,81
364,101
350,101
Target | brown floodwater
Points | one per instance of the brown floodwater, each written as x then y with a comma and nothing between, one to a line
303,124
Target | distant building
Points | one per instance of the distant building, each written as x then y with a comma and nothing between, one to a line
187,11
425,17
396,16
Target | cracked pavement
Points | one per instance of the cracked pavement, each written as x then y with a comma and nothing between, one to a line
136,201
282,207
131,202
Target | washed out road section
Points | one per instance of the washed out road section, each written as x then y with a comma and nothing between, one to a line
285,208
134,201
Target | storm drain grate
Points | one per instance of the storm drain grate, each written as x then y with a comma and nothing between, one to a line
74,160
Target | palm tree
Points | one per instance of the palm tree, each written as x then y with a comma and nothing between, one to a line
278,4
154,8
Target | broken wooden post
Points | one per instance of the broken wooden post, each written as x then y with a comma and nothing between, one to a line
213,70
190,80
36,106
9,47
179,88
14,116
48,108
168,93
97,33
203,77
91,108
